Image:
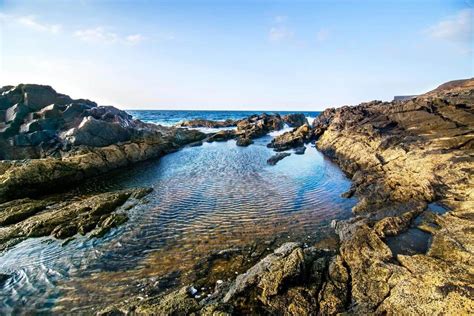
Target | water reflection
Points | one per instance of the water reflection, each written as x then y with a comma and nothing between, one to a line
205,198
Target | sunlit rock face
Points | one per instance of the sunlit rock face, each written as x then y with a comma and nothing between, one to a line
402,155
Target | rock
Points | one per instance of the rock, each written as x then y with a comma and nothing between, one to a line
175,303
259,125
295,120
208,123
402,155
15,211
243,141
296,138
68,140
273,160
221,136
64,219
300,150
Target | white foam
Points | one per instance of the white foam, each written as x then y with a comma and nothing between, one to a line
310,119
285,129
213,130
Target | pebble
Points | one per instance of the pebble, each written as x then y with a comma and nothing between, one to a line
192,290
219,282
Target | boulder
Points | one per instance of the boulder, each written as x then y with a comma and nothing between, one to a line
244,141
295,120
296,138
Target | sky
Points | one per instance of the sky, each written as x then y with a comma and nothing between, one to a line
236,55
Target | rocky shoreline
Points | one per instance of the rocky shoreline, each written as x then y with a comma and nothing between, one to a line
402,157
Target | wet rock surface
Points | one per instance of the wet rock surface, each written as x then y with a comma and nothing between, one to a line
63,219
273,160
294,139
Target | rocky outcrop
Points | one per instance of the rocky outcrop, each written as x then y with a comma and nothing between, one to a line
66,140
295,120
208,123
273,160
259,125
63,219
401,156
293,139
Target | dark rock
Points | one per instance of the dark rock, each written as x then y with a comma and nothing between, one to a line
273,160
295,120
300,150
222,136
296,138
244,142
208,123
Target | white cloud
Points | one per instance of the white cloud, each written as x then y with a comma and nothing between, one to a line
103,36
96,35
31,22
322,35
134,39
457,28
279,33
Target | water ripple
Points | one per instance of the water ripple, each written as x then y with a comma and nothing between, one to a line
205,198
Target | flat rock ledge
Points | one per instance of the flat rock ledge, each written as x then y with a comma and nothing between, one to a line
94,215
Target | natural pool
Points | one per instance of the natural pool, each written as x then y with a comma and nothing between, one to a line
205,198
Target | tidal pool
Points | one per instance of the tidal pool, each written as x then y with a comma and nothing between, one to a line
205,198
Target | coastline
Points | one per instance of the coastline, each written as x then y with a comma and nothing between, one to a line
401,156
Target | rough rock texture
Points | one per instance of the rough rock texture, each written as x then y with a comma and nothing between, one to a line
295,138
67,140
289,280
259,125
208,123
63,219
273,160
295,120
401,156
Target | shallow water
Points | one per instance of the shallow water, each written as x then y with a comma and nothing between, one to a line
205,198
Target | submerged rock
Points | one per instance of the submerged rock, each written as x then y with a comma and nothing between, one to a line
300,150
64,219
273,160
244,142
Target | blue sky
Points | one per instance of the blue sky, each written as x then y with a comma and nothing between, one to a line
260,55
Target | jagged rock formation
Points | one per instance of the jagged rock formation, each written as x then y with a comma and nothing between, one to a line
293,120
67,140
208,123
401,156
293,139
